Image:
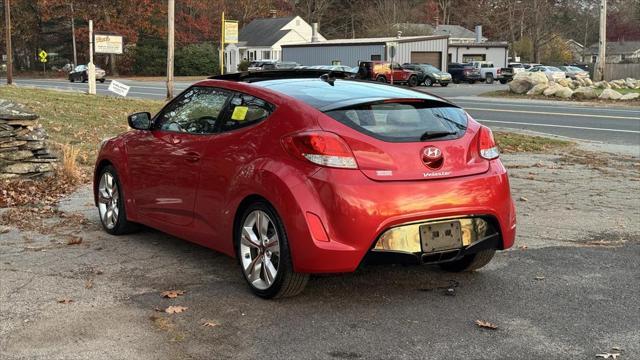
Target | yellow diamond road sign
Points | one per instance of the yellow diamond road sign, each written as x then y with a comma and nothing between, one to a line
43,56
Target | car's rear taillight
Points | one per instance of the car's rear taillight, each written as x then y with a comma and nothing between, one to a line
320,147
488,147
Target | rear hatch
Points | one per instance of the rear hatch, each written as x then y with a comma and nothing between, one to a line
412,139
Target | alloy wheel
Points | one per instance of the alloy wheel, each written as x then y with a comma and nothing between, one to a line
260,249
108,200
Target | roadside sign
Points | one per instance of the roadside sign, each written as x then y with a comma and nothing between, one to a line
119,88
43,56
108,44
230,32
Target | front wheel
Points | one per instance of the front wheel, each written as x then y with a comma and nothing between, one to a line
470,262
381,79
413,81
428,82
263,251
113,215
503,81
101,81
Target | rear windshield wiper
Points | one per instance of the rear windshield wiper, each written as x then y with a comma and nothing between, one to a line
457,124
436,134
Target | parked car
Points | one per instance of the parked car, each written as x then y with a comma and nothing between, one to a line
574,72
530,65
271,65
383,71
517,68
463,73
489,72
296,176
81,73
429,74
552,72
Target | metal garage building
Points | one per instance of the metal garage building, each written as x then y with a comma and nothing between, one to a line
419,49
496,52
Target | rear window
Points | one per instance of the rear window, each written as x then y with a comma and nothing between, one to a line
404,121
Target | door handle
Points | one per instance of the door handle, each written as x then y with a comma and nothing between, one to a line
192,157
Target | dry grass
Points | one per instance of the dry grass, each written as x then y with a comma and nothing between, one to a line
69,169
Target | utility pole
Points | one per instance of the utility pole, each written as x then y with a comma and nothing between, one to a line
73,36
602,44
170,45
7,19
92,68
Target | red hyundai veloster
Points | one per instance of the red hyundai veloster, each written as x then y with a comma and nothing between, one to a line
296,176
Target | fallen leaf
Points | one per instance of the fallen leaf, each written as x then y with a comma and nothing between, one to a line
486,325
88,284
4,229
172,294
210,324
65,301
74,240
175,309
522,198
524,247
539,278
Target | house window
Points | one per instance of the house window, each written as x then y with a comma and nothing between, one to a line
266,55
376,57
594,59
251,58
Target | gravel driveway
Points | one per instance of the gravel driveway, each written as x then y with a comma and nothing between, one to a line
567,290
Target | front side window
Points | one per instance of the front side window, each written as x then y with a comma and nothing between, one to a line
245,110
195,111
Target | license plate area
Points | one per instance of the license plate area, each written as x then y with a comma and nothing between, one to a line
440,236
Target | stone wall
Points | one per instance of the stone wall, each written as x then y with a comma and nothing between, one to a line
23,146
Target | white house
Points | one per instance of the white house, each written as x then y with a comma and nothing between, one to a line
262,39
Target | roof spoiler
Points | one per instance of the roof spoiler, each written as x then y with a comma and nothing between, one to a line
261,75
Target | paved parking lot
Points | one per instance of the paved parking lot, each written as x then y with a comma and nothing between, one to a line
567,289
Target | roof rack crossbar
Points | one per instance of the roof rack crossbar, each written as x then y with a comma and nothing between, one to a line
261,75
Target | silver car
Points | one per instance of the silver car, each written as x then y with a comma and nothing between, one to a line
552,72
574,72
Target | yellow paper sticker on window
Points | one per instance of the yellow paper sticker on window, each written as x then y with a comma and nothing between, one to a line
239,113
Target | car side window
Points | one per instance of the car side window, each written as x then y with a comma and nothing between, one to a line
195,111
245,110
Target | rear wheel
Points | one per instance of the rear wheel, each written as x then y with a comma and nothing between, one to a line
470,262
263,252
113,215
456,81
489,78
381,79
413,81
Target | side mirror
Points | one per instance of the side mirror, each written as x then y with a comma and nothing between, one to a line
140,121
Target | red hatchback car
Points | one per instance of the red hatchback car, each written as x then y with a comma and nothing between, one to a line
301,174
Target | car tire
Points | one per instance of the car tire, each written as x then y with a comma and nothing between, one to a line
413,81
503,81
444,84
489,79
456,81
255,245
381,79
428,82
110,201
72,79
469,262
84,79
101,81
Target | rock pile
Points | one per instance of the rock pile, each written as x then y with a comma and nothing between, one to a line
23,147
536,83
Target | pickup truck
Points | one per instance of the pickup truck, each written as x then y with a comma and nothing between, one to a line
489,73
463,73
383,71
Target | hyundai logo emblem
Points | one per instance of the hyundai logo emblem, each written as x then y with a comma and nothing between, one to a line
432,157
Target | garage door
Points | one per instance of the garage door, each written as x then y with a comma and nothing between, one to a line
427,57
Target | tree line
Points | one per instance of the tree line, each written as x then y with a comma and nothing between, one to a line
536,30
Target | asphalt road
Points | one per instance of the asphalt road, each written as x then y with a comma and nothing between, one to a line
618,125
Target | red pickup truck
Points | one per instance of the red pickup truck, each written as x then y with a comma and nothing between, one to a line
382,71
